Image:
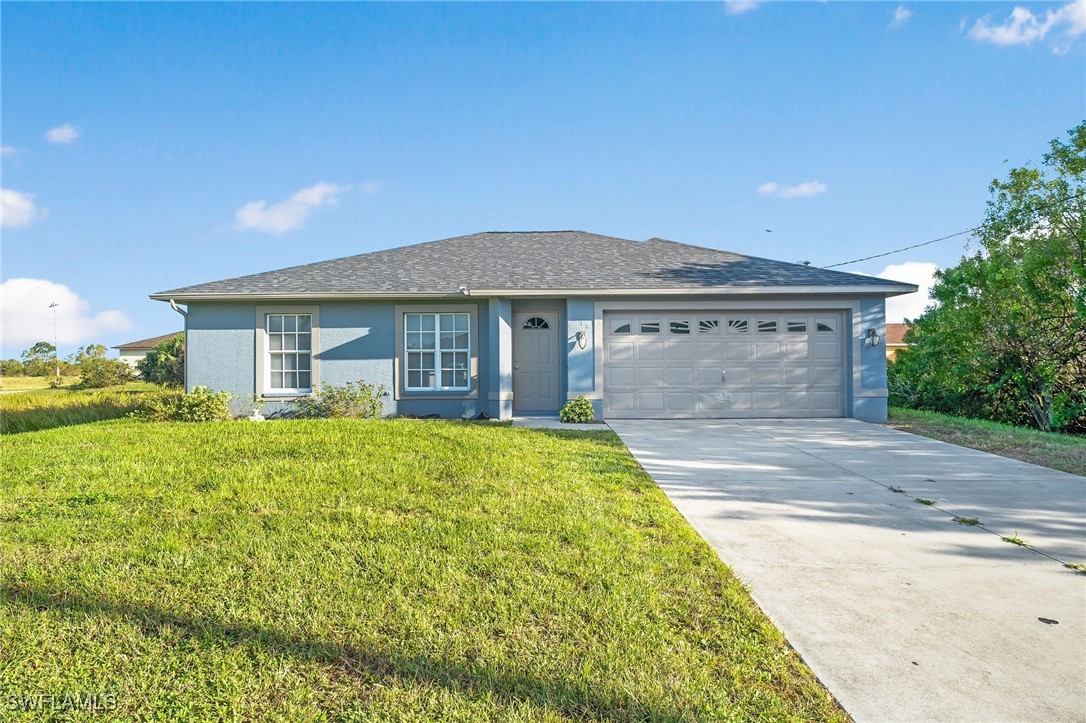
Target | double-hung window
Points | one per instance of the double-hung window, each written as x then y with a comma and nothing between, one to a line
290,352
438,351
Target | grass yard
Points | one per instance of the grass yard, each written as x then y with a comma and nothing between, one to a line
1058,451
29,384
371,570
29,411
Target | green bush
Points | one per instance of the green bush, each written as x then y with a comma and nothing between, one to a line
165,364
353,399
200,405
98,372
577,411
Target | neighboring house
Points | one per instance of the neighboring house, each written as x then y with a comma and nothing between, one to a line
134,352
895,339
506,323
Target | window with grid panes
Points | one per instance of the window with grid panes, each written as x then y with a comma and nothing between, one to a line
290,351
438,351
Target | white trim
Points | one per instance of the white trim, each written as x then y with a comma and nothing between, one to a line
888,289
262,381
437,351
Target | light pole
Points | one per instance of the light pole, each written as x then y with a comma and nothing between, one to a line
56,349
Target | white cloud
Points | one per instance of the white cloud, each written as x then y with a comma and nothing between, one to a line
909,306
62,134
734,7
290,214
901,14
17,209
9,151
800,190
1059,27
26,318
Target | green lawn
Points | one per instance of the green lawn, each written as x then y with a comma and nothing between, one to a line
27,384
1058,451
31,410
371,570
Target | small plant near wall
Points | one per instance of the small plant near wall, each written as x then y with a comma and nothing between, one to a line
577,411
352,400
200,405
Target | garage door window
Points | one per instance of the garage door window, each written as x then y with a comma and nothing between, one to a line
824,326
738,326
620,326
680,327
708,326
799,327
767,326
650,327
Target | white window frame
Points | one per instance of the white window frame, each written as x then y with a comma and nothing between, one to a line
438,352
264,350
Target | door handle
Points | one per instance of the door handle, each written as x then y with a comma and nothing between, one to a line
723,375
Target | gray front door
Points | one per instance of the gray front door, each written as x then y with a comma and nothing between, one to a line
537,365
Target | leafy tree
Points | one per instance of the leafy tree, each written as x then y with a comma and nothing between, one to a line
165,364
40,360
90,351
97,372
11,368
1006,336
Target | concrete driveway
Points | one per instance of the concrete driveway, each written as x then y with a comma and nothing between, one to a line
903,613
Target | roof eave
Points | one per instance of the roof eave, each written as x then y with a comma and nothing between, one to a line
888,289
188,297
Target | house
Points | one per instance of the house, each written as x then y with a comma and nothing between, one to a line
134,352
895,339
516,323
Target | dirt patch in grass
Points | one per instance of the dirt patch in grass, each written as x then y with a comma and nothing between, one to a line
1057,451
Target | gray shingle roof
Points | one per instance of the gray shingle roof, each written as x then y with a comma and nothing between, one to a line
148,343
533,261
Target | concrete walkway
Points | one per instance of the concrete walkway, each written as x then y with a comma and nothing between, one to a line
903,613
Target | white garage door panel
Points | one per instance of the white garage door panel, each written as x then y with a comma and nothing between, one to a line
724,364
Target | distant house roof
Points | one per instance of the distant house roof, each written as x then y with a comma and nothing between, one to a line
148,343
895,334
556,262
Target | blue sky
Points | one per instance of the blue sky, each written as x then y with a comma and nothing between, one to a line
151,146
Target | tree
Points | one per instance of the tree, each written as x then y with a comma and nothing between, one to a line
40,360
90,351
11,368
165,364
98,372
1006,336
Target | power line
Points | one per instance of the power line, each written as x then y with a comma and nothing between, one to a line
897,251
1053,202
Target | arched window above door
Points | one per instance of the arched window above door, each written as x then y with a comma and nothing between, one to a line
536,322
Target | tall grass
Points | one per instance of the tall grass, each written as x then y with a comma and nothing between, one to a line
32,411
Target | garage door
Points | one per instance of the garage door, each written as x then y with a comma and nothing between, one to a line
723,364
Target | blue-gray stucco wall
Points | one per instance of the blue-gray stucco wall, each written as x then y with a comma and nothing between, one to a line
357,342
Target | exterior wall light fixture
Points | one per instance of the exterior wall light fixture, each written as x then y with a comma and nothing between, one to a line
872,337
582,339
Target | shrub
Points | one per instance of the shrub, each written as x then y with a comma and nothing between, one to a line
200,405
165,364
353,399
11,368
98,372
577,411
